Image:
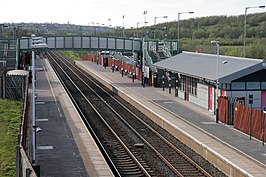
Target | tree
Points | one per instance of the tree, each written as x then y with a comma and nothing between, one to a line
257,50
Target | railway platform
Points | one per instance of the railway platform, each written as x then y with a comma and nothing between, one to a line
64,147
227,148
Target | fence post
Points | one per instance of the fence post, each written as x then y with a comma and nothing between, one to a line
250,101
250,122
163,80
18,161
231,111
176,84
263,128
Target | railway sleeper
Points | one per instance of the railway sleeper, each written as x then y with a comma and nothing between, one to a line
129,165
125,171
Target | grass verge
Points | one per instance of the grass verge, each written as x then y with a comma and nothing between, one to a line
10,112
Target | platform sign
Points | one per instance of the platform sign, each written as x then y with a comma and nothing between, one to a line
264,109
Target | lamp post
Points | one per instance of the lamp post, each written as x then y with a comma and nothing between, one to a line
164,33
98,26
123,26
109,20
133,49
145,13
155,24
118,31
217,78
245,26
93,24
143,50
37,43
178,18
143,63
15,32
138,27
2,27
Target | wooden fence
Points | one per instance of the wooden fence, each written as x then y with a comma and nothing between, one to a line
245,121
223,110
242,118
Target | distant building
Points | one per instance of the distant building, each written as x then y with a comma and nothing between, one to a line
196,75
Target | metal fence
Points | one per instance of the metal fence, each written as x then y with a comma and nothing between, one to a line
23,165
15,86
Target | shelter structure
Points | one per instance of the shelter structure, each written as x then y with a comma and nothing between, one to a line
195,76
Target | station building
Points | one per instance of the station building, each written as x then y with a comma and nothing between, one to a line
194,76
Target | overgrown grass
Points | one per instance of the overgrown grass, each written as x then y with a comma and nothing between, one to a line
72,55
10,112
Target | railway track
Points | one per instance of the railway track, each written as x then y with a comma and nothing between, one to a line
132,144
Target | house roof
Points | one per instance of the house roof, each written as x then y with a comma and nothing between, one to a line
204,66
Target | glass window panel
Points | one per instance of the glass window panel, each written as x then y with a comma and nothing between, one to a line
263,85
253,85
238,85
228,86
223,86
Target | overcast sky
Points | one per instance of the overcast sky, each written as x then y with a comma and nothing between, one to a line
83,12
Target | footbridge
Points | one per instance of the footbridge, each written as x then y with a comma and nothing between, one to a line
11,50
93,43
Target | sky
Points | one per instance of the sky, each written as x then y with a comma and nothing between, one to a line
98,12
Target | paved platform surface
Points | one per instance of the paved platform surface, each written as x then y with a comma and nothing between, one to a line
233,145
64,148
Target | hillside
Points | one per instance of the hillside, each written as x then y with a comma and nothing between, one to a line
196,34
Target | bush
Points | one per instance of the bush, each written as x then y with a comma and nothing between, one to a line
72,55
75,55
